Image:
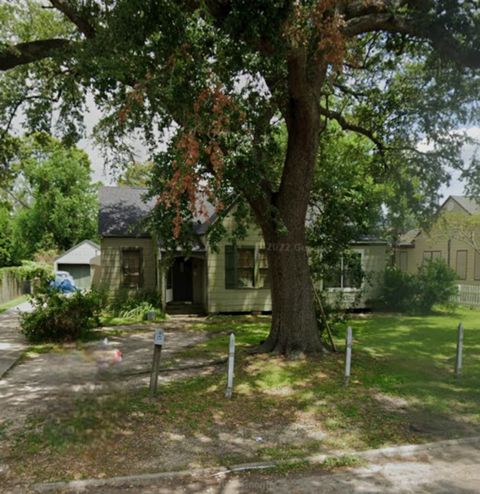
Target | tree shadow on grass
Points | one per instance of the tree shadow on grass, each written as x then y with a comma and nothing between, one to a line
281,409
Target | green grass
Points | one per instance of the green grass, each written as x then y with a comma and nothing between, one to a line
414,357
12,303
402,376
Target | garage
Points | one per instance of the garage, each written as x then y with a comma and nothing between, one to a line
80,261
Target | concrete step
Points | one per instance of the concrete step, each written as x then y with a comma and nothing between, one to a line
184,308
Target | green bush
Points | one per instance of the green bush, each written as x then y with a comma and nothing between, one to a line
434,284
438,285
399,290
129,304
61,318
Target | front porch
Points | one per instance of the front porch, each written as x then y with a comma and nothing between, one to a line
185,285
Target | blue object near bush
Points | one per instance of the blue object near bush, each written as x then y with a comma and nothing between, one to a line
64,282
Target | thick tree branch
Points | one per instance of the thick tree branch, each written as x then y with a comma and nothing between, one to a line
346,125
33,51
441,40
72,14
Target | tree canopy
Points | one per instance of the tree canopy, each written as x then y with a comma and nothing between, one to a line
49,201
215,81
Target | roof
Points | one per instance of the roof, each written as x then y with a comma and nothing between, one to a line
471,205
81,253
369,240
123,211
407,239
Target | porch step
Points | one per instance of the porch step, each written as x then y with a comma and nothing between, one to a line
184,308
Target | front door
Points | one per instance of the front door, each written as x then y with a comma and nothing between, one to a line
182,280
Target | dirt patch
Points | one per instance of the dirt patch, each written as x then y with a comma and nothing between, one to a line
50,381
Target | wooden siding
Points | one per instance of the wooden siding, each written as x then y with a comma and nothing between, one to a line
436,240
111,259
221,299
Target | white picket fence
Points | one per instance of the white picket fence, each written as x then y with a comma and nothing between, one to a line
468,295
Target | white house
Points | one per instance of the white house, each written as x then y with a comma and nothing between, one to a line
81,261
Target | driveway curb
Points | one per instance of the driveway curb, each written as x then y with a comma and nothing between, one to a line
406,450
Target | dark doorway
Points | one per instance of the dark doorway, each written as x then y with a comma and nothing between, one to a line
182,280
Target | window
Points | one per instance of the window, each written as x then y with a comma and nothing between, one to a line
477,265
461,264
431,255
347,273
263,271
132,268
403,261
246,267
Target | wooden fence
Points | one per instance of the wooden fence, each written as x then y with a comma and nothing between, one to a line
11,287
469,295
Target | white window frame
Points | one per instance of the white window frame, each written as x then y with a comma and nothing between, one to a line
349,289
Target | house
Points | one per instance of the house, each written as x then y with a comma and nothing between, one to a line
226,279
355,283
232,279
452,237
82,261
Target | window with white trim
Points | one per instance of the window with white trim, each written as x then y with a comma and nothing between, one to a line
347,273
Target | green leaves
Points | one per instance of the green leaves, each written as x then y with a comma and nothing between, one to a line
52,200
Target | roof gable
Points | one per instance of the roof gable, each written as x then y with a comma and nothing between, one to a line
467,204
81,253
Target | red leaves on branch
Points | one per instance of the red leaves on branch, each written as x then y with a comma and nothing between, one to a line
200,144
319,26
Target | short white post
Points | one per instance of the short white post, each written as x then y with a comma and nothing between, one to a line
231,363
458,358
348,355
158,341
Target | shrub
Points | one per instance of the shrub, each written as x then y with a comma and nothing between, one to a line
126,301
61,318
438,285
133,305
399,290
435,283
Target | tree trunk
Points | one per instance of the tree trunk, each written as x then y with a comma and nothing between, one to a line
294,326
282,215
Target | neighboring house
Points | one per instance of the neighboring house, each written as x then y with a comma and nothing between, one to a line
227,279
82,261
452,237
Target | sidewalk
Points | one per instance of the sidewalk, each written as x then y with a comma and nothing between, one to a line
445,467
12,342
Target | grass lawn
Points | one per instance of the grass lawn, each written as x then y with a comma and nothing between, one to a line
402,390
414,358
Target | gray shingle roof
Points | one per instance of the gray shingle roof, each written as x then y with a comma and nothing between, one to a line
123,211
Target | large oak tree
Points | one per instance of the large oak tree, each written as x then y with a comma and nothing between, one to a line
224,77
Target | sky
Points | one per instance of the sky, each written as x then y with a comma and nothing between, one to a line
100,173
